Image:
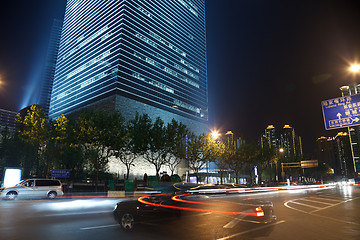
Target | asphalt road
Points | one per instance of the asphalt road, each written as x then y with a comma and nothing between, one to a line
325,213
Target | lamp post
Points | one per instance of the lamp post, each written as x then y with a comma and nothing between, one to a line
214,135
355,70
281,151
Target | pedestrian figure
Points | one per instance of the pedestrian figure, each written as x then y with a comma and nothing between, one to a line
70,188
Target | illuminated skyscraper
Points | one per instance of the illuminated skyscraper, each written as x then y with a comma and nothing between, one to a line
133,56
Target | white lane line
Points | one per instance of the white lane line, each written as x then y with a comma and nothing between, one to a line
328,199
306,205
333,205
234,222
251,230
306,199
75,213
318,215
97,227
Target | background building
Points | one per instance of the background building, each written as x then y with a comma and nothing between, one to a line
47,77
269,139
285,139
336,152
7,119
354,132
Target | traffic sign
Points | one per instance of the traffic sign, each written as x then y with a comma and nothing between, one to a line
309,164
60,173
341,112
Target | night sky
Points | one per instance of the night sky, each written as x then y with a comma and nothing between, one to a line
269,61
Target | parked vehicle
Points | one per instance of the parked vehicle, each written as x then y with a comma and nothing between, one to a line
49,188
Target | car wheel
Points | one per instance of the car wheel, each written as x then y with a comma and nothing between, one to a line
11,195
52,195
127,221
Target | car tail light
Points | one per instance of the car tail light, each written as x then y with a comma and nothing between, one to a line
259,212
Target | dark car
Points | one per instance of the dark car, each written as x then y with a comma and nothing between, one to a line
129,213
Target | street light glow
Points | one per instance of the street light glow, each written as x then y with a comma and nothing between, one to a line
215,134
355,68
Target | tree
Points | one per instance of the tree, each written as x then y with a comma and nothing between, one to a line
225,155
125,144
35,130
248,154
266,157
176,134
200,150
156,151
95,134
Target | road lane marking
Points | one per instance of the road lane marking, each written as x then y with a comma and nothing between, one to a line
327,199
306,199
251,230
286,204
303,204
75,213
333,205
97,227
234,222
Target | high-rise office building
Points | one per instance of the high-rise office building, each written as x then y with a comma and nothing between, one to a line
133,56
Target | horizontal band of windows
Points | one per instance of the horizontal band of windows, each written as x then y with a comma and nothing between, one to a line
97,18
74,105
66,50
142,49
92,16
156,28
107,79
76,82
165,51
154,98
154,74
174,84
179,92
161,25
85,55
63,69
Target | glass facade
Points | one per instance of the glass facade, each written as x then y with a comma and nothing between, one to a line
152,51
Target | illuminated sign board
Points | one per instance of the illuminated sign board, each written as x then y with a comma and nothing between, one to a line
60,173
341,112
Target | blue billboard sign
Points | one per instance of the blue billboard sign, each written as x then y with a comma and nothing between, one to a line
341,112
60,173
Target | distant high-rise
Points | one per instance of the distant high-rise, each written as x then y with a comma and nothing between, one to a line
285,139
133,56
49,67
354,131
269,139
7,119
336,152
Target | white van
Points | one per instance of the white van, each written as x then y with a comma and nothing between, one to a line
50,188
